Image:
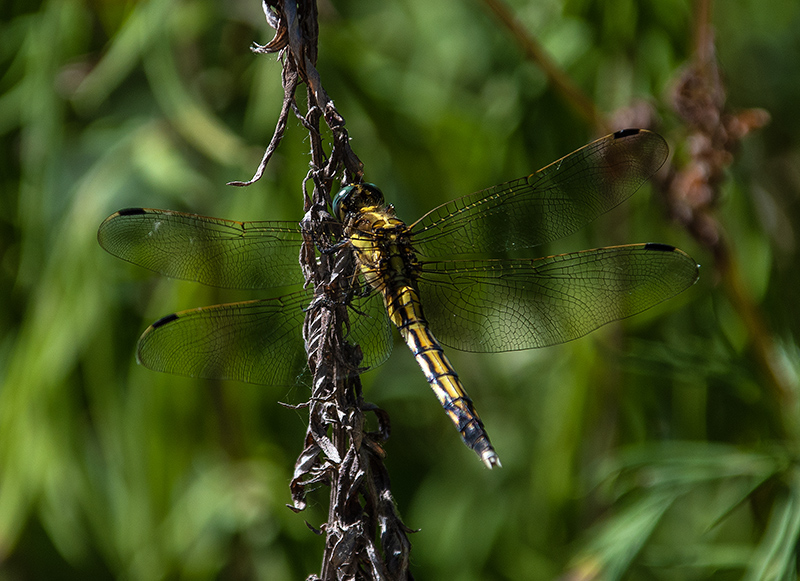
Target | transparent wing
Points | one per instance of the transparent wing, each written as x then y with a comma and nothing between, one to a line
370,329
550,204
507,305
221,253
254,341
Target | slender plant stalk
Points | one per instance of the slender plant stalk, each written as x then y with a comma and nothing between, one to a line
714,136
365,538
560,80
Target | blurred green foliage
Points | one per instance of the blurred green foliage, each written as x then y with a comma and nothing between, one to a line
649,450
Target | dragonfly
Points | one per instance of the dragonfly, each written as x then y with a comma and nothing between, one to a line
444,280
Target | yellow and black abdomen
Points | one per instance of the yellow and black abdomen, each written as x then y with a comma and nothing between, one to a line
405,310
388,264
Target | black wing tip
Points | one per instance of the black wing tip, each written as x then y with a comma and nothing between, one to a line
659,247
164,320
626,133
131,212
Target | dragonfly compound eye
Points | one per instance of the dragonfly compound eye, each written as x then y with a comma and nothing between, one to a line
355,196
371,194
341,201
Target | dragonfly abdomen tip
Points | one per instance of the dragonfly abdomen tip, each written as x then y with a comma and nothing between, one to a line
491,459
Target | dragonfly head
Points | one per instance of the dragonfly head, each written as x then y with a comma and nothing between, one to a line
353,197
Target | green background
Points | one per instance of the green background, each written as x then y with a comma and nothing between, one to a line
653,449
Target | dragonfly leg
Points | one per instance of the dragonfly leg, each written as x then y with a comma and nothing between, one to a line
329,248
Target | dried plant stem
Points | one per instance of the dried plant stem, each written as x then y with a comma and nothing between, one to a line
365,538
714,135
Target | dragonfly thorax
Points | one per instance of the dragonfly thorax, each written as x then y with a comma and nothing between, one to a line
382,243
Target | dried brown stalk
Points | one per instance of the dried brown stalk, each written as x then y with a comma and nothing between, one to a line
365,538
693,190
